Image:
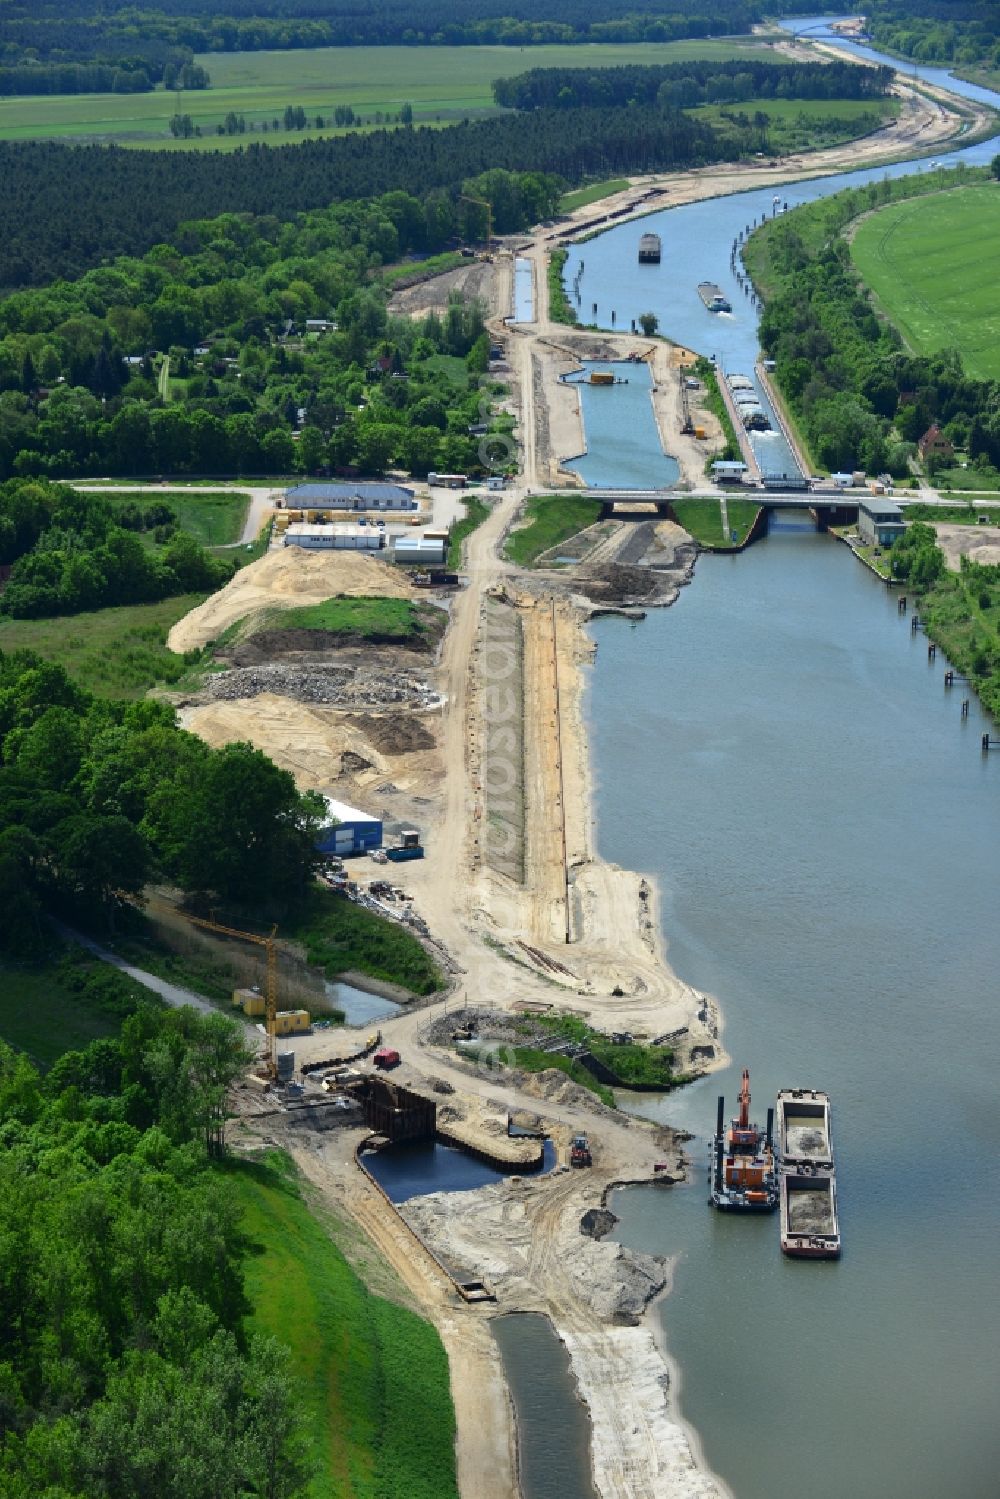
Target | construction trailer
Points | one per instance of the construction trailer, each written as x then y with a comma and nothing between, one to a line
419,551
318,537
348,830
448,481
292,1023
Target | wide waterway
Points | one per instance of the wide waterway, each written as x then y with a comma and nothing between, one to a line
778,751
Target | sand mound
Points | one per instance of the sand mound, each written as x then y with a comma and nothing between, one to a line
978,543
310,742
288,578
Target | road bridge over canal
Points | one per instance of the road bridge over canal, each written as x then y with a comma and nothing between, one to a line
831,507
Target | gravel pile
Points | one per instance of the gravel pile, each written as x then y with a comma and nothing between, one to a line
342,685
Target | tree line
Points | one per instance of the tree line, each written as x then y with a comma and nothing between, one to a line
65,207
683,85
863,401
98,797
68,552
72,29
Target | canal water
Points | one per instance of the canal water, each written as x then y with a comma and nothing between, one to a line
553,1428
623,441
697,244
405,1171
524,291
778,751
358,1005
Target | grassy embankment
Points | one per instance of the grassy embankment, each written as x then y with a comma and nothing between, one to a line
959,515
731,452
802,124
591,194
924,261
65,1003
550,520
632,1062
441,84
374,1375
702,519
415,271
379,621
533,1059
339,936
560,309
476,511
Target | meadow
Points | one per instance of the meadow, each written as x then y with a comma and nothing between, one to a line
806,124
374,1376
111,652
930,266
441,84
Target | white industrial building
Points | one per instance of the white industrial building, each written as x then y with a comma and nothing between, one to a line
334,538
353,494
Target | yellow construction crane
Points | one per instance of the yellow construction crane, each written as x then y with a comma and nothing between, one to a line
483,203
270,987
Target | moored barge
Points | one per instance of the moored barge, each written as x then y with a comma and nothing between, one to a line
810,1227
649,249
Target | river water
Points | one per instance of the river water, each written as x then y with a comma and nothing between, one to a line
778,752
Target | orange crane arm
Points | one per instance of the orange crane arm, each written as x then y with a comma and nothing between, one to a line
745,1100
271,987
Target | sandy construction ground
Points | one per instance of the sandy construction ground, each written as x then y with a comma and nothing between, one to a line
287,578
978,543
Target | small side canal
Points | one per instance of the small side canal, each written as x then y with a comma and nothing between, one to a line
405,1171
553,1426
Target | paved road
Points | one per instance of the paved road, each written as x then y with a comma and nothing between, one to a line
172,994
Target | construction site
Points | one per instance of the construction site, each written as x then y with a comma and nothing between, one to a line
479,739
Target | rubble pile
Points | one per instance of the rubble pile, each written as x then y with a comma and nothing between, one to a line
346,686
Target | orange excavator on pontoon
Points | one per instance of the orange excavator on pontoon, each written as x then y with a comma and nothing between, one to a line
742,1172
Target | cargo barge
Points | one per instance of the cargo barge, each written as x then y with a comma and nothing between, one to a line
810,1227
742,1175
649,249
713,297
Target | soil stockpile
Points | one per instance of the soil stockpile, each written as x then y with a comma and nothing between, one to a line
287,579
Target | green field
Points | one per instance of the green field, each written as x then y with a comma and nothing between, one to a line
934,269
702,519
806,124
64,1004
374,1375
439,82
111,652
213,517
380,620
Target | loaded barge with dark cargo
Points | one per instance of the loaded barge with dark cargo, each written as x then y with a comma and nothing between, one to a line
808,1185
649,249
742,1175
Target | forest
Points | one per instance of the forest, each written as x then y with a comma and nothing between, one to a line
961,32
97,797
129,1367
65,208
247,389
75,30
684,85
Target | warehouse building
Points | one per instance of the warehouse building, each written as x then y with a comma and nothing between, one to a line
354,494
316,537
348,830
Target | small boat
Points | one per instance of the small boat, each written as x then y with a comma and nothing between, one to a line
742,1173
714,297
649,249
